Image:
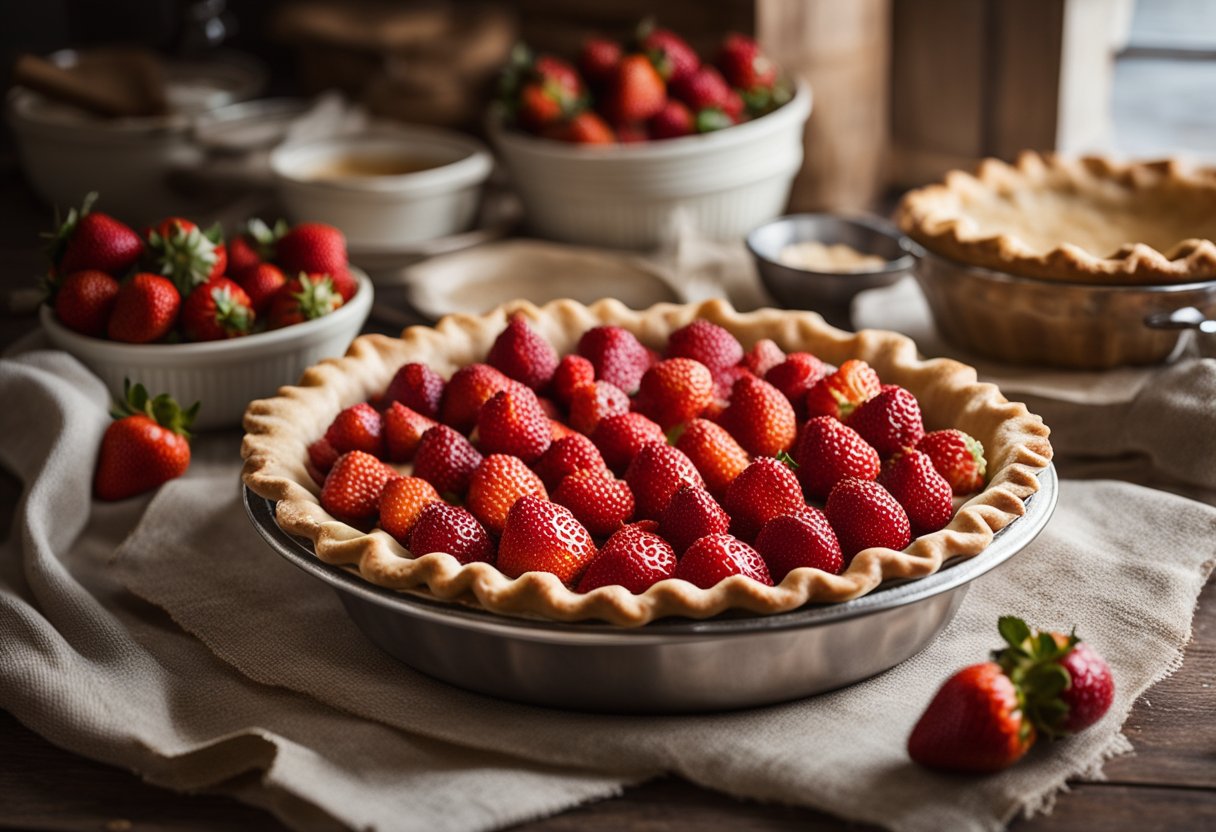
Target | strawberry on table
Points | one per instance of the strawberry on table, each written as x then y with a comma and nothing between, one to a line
620,438
512,422
707,343
261,282
958,457
497,483
828,451
519,352
145,309
636,91
718,556
359,427
766,489
312,248
656,472
186,254
403,430
598,500
302,299
890,421
146,445
632,558
839,394
418,387
467,390
446,460
916,485
805,538
617,356
89,239
715,453
216,310
759,417
352,487
401,504
864,514
763,356
675,391
565,456
85,300
691,514
593,402
451,529
572,372
541,536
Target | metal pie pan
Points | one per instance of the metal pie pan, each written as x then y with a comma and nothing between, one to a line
672,665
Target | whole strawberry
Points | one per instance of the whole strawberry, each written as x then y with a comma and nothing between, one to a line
707,343
598,60
418,387
636,91
691,514
791,541
252,247
145,309
714,452
519,352
795,376
958,457
321,457
617,356
401,504
675,391
705,91
147,444
670,53
216,310
512,422
916,485
864,514
595,401
744,65
655,474
451,529
763,356
403,430
601,502
89,239
497,483
718,556
186,254
620,438
766,489
344,282
673,121
840,393
541,536
889,421
759,417
312,248
353,486
572,372
301,299
467,390
565,456
85,300
828,451
446,460
582,128
359,427
261,282
632,558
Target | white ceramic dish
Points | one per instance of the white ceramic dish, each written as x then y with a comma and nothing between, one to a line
224,375
391,211
634,195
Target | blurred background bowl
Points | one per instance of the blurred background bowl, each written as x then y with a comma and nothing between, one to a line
224,375
830,293
635,195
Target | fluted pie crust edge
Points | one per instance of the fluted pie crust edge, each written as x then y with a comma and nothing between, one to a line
279,430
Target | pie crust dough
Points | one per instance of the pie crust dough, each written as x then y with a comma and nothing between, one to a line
1080,220
279,430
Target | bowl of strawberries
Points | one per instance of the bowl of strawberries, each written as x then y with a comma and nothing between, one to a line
623,145
181,310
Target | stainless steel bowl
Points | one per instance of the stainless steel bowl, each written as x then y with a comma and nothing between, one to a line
828,293
669,666
1024,320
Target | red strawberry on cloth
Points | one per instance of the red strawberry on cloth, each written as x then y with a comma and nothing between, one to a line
496,484
805,538
541,536
146,445
451,529
718,556
864,514
632,558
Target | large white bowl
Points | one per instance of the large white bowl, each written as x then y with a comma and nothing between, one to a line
224,375
386,212
635,195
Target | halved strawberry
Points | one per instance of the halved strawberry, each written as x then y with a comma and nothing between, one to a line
837,395
446,460
619,438
445,528
632,558
715,453
512,422
655,473
759,417
766,489
540,536
790,541
352,487
718,556
497,483
359,427
519,352
403,429
691,514
401,504
418,387
828,451
601,502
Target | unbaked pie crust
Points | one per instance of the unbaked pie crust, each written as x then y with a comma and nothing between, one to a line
279,430
1080,220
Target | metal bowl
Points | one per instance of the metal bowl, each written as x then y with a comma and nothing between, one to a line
828,293
669,666
1025,320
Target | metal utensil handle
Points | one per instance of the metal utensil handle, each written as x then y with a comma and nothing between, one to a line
1188,317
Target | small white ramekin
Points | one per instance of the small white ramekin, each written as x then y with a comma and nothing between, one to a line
384,212
634,195
224,375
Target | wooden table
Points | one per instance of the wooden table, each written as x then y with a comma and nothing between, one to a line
1168,784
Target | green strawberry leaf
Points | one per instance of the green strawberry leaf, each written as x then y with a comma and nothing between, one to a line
1013,629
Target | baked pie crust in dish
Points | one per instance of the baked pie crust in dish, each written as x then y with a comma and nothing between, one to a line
1080,220
280,429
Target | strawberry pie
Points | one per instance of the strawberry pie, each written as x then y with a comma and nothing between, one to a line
574,462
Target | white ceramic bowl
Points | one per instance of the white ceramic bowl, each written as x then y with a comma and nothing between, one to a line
224,375
634,195
385,212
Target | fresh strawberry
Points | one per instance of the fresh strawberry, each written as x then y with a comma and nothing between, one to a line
467,390
743,65
670,53
572,372
549,90
519,352
352,487
617,356
451,529
401,503
537,109
973,724
419,388
706,90
763,356
632,132
592,403
864,514
889,421
541,536
673,121
85,300
497,483
636,91
675,391
90,240
795,376
598,60
359,427
706,342
145,309
252,247
512,422
186,254
916,485
261,283
313,248
565,456
958,457
446,460
619,438
1091,688
403,429
583,128
838,394
632,558
828,451
656,472
216,310
322,455
147,444
601,502
714,452
302,299
718,556
759,417
558,74
691,514
805,538
344,282
766,489
724,383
